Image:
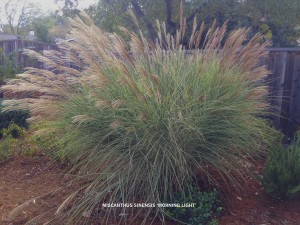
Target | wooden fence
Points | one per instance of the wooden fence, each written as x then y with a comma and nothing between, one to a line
284,84
15,47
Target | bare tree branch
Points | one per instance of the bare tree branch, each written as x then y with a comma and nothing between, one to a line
171,26
18,14
191,17
140,13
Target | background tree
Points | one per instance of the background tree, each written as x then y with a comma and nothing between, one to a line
277,20
42,28
68,3
19,15
69,8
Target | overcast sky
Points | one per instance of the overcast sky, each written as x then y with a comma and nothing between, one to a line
49,5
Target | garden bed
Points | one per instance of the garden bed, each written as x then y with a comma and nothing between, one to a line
23,178
253,205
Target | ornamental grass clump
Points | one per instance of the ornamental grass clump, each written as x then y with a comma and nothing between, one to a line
138,119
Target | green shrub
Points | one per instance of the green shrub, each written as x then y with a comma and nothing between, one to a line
13,131
139,120
205,209
281,177
16,141
9,140
7,67
15,116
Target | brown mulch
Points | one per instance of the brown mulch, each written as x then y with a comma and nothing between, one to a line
253,206
25,178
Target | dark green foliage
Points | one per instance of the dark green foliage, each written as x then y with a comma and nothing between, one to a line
13,131
7,69
9,142
18,117
42,27
42,33
206,208
281,177
280,17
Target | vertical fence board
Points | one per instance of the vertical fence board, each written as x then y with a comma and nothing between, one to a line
271,79
284,86
17,45
295,104
277,82
286,94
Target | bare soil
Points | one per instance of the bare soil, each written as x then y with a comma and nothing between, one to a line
25,178
253,205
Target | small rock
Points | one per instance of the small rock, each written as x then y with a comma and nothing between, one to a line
239,198
256,193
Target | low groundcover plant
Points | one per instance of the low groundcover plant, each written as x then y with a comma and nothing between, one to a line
281,177
205,207
16,116
138,119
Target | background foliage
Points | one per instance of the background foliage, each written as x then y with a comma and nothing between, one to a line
277,20
7,67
